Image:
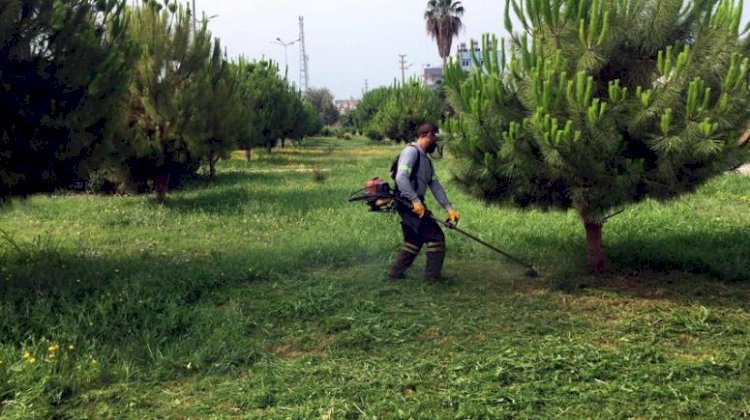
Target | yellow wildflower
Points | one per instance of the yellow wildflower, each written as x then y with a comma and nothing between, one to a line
53,348
71,347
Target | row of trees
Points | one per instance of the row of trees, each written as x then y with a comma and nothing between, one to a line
142,95
396,112
599,104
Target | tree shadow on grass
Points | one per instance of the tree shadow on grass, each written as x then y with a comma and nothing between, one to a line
256,177
711,268
724,255
240,192
117,298
225,201
234,178
240,200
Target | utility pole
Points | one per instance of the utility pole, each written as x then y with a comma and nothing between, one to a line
367,88
304,71
195,17
403,67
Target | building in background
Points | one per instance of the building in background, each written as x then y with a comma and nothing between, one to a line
433,76
464,55
346,105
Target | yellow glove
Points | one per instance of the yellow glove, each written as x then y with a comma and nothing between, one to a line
453,216
418,208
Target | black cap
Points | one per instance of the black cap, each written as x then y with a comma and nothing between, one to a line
426,129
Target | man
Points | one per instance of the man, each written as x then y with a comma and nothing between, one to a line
413,176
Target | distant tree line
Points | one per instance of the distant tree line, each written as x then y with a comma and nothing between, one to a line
395,112
139,96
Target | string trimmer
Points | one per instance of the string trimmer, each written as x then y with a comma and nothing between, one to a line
380,197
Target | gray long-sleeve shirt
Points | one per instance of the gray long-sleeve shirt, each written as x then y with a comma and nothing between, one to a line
426,176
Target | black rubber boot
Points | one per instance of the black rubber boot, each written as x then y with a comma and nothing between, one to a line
435,258
405,257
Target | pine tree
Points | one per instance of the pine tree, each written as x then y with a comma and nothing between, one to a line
598,104
247,139
304,119
267,99
322,100
408,106
368,107
215,117
313,123
63,73
156,145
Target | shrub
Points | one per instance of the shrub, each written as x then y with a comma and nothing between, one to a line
319,175
373,134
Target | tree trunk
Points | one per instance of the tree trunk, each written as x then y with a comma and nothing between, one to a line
212,169
249,154
161,183
282,143
595,247
211,165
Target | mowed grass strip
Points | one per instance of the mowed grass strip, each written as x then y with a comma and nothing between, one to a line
261,295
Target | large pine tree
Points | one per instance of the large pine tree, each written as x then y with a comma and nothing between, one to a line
601,103
63,73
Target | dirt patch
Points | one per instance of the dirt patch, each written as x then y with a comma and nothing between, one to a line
295,350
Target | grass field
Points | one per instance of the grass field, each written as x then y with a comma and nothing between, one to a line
261,295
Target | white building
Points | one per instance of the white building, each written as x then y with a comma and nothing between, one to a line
433,76
464,55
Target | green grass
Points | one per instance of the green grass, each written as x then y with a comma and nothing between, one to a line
261,295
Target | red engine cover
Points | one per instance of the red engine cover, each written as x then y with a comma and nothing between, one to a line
371,186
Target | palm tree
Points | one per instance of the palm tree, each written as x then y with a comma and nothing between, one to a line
443,18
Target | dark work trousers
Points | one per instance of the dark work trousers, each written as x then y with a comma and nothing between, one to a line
427,232
418,233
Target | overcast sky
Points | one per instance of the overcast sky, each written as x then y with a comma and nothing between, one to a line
347,41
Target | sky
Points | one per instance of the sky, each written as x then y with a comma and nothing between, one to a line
347,41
